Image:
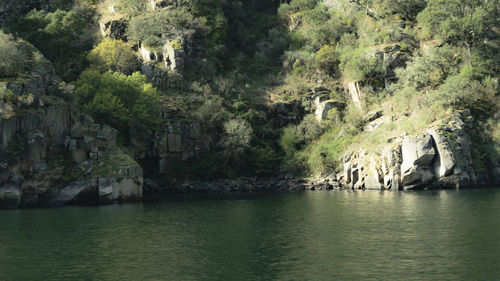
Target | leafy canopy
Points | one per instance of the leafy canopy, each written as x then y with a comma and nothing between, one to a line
118,99
114,55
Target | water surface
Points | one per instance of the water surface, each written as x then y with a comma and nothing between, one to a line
341,235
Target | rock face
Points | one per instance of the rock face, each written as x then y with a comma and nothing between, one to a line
439,158
324,107
175,141
50,154
171,56
418,155
114,29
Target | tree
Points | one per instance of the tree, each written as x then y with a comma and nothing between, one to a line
407,9
461,22
462,91
118,99
327,58
310,128
291,141
429,70
114,55
62,36
237,137
11,58
151,28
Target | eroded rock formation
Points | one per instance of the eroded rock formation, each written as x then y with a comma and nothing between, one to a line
439,158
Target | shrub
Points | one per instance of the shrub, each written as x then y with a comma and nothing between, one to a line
150,27
114,55
466,22
310,128
62,36
290,141
12,60
429,70
236,139
117,99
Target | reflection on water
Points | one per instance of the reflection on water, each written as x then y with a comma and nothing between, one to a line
434,235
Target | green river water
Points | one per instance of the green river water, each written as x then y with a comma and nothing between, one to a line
336,235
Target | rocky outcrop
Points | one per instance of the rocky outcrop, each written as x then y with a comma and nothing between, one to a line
114,29
63,158
171,55
159,4
323,107
50,154
439,158
418,155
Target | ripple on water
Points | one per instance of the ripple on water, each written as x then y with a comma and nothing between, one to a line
343,235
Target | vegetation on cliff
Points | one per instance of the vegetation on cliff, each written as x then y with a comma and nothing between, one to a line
277,86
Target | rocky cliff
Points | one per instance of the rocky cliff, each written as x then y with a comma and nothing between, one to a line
51,154
440,157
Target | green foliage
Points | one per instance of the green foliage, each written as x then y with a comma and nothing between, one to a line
460,21
6,106
429,70
360,64
354,119
12,60
325,156
327,58
310,128
212,112
291,141
62,36
117,99
114,55
236,139
264,160
150,27
131,7
406,9
462,91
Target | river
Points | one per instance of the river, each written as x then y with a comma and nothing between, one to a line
335,235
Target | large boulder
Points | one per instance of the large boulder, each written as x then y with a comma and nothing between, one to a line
445,160
418,155
453,164
121,190
374,175
391,165
417,152
77,192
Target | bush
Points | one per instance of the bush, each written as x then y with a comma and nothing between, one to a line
462,91
327,58
117,99
114,55
429,70
12,60
237,136
461,22
291,141
62,36
310,128
359,65
325,156
149,28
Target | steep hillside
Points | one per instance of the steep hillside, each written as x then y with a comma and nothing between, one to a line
383,94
